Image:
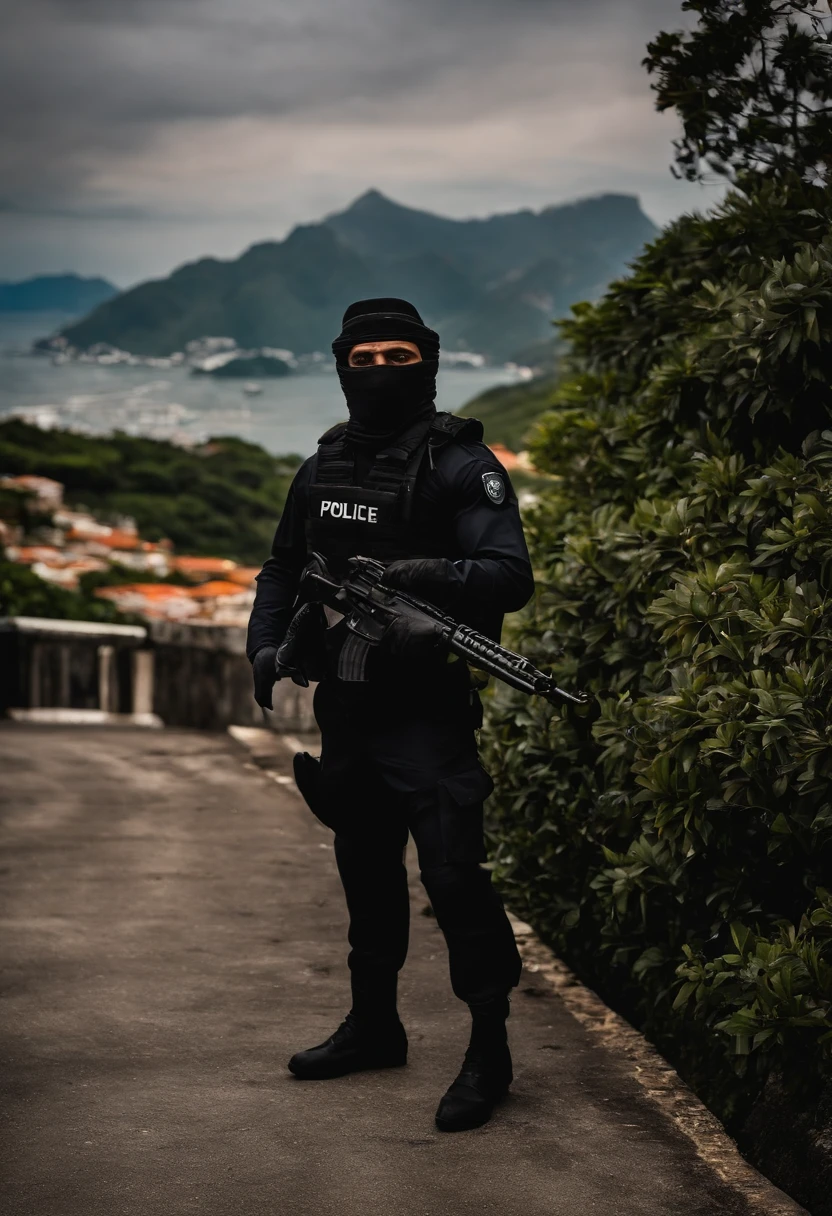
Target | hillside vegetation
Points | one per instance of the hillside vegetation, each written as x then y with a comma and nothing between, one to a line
222,499
489,285
508,411
24,593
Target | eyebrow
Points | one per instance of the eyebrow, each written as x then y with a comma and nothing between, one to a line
388,350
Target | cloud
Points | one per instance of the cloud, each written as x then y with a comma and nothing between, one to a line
83,78
239,109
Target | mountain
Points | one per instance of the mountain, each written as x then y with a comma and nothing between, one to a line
489,285
55,293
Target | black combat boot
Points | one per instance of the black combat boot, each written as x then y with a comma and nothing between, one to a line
485,1074
371,1036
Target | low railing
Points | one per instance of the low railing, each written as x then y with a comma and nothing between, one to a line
162,674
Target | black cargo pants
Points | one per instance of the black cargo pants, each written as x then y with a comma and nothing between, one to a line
398,761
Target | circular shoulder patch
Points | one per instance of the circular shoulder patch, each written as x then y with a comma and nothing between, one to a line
495,487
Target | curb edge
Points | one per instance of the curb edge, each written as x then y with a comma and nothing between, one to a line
661,1083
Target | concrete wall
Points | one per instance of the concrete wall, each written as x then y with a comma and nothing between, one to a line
203,679
189,675
68,664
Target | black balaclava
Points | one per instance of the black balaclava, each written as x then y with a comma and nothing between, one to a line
384,401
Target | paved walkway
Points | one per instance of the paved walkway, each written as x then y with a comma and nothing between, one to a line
173,930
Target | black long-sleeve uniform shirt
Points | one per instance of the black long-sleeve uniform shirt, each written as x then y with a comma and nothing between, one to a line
483,538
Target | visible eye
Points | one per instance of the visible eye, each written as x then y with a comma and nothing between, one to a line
361,359
400,356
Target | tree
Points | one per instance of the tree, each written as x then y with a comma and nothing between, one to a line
752,84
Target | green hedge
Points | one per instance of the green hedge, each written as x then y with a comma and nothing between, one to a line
675,841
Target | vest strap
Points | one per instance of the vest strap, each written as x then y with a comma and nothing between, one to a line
446,427
376,517
391,469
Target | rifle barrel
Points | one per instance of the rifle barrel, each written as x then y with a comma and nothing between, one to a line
507,666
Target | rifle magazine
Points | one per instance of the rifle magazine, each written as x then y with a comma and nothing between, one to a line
352,660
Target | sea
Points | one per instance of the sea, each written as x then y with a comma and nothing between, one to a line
170,403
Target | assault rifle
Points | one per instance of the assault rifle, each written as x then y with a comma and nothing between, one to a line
371,609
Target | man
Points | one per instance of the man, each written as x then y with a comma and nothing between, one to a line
421,492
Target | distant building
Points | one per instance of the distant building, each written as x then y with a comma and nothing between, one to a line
152,600
26,555
201,568
67,573
508,459
221,592
223,602
47,493
244,575
149,558
54,565
199,347
82,523
521,372
462,358
217,601
79,523
114,543
512,460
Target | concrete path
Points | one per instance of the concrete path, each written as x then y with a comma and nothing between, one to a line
172,931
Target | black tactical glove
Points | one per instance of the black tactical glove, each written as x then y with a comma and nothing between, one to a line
433,578
412,638
264,670
295,674
301,656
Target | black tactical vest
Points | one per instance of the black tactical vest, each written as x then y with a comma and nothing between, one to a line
376,517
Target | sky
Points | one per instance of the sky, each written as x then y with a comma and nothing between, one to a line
139,134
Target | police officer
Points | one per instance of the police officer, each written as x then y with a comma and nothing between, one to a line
420,491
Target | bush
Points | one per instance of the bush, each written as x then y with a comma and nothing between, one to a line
675,843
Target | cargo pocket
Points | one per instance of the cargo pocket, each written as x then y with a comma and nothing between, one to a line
460,815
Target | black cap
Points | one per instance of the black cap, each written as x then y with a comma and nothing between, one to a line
385,304
384,318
